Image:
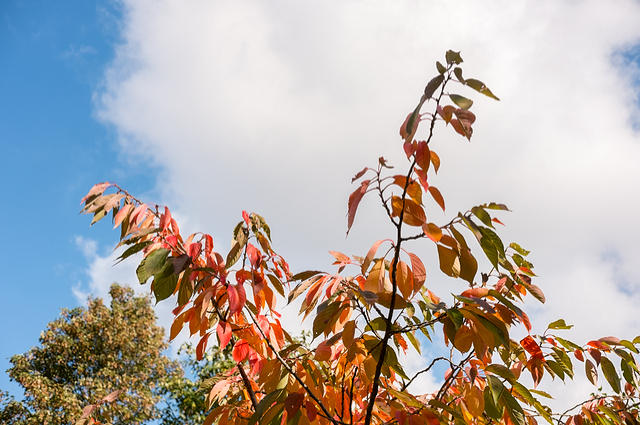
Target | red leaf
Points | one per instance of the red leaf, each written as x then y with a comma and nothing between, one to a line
422,178
246,218
194,250
292,403
208,244
254,256
224,334
409,148
354,200
532,347
236,298
165,219
240,351
423,156
359,174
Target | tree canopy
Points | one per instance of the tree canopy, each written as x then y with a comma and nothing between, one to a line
376,304
87,354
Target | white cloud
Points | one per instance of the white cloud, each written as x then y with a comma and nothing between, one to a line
272,106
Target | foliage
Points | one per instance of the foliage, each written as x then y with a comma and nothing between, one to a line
362,318
185,397
85,355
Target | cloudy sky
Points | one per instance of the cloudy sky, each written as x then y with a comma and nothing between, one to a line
213,107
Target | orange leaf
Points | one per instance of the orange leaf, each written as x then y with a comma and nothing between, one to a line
437,196
476,292
435,160
532,347
432,231
323,352
202,346
413,213
122,213
423,156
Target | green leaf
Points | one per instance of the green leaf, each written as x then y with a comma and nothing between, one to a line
568,344
520,250
377,324
234,254
542,393
627,372
461,101
164,286
276,284
305,275
152,264
458,73
559,324
441,68
491,408
453,57
482,215
629,345
132,250
513,408
456,317
501,370
496,206
610,373
327,313
429,90
480,87
265,403
186,288
414,341
99,215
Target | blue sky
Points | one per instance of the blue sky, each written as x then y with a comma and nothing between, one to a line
218,106
52,57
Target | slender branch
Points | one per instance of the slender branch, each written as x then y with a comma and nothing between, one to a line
394,282
454,374
282,361
433,362
243,374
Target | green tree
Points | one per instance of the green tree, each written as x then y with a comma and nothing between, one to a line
86,354
186,395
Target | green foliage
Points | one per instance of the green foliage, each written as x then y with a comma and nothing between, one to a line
186,397
86,354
